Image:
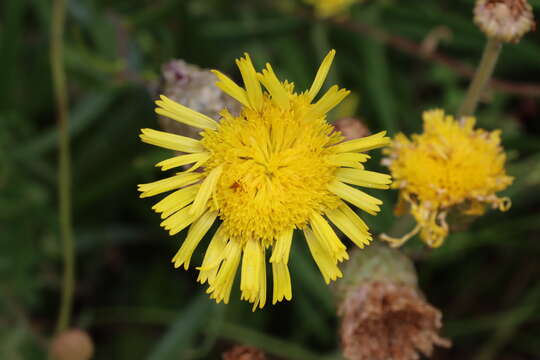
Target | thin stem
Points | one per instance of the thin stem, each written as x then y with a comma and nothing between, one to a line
481,77
64,168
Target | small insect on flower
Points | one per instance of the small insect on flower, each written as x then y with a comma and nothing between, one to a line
276,167
450,166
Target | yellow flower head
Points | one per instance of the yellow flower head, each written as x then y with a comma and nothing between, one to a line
449,165
276,167
327,8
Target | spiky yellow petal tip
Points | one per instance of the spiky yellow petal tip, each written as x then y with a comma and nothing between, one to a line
450,166
277,167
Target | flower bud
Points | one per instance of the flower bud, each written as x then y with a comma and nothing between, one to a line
73,344
195,88
504,20
383,313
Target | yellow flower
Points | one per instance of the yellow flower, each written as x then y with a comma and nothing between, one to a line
277,167
327,8
450,165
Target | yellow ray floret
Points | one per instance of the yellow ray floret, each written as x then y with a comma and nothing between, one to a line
275,168
180,113
171,141
282,282
451,165
277,90
229,87
321,75
253,86
198,158
327,265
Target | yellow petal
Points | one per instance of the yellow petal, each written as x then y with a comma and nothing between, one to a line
171,141
327,102
322,73
207,188
183,160
282,247
170,183
326,236
249,283
213,257
196,232
261,297
326,264
363,144
220,288
353,217
280,96
349,227
176,201
352,160
251,82
364,178
178,221
282,282
356,197
231,88
180,113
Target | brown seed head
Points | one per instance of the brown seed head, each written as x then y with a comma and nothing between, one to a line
73,344
504,20
240,352
389,321
383,313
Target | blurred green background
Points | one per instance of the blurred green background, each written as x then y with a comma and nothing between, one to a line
130,299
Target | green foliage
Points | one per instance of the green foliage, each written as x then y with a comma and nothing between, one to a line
131,300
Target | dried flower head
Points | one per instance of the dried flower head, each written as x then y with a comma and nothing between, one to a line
195,88
327,8
240,352
383,314
389,321
276,167
450,166
504,20
73,344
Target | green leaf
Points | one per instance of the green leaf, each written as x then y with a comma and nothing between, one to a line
181,335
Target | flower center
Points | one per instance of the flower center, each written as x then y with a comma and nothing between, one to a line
275,170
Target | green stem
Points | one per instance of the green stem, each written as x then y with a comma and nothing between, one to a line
64,170
481,77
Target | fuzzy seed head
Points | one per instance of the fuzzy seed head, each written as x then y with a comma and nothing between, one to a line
504,20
